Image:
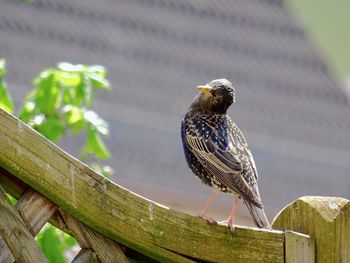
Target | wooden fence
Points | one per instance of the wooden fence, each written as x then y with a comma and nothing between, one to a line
112,224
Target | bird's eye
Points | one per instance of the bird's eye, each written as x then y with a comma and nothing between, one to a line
219,91
215,92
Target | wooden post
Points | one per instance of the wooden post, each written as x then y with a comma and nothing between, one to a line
298,248
326,219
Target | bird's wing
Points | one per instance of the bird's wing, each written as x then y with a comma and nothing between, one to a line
238,138
213,143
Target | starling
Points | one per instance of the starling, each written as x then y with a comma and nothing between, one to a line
217,152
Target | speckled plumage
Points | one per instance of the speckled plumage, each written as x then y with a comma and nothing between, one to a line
216,150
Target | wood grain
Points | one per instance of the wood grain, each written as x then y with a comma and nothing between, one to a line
105,249
326,219
110,209
299,248
86,255
16,235
35,210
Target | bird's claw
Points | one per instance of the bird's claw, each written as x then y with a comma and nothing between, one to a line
229,223
207,218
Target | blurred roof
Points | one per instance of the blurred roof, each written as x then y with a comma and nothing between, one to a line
294,114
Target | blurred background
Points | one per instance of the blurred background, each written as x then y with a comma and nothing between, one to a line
288,60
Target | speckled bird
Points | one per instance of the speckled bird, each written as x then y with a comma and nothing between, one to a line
217,152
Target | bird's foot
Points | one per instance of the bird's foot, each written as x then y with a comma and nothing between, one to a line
207,218
229,223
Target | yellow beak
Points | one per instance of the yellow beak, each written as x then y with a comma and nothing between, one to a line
206,89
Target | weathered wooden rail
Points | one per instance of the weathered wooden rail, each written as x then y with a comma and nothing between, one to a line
110,222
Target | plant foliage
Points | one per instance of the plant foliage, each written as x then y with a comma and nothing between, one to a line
5,99
53,242
61,99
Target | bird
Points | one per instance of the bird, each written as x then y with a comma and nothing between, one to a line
218,154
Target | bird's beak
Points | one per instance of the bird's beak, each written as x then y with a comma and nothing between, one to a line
206,89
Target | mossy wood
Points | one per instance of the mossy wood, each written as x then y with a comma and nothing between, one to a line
136,222
35,210
18,189
295,243
106,250
326,219
16,235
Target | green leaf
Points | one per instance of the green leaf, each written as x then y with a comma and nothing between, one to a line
68,67
98,70
67,241
98,123
73,113
68,79
80,91
48,91
94,145
99,82
88,96
97,75
58,101
2,68
31,95
49,241
12,199
78,127
75,118
27,112
52,127
68,95
5,99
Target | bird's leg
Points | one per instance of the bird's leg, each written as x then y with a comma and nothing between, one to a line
210,200
230,220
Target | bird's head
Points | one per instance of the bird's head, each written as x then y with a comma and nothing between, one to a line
216,96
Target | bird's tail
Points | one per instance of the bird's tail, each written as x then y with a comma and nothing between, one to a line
258,215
